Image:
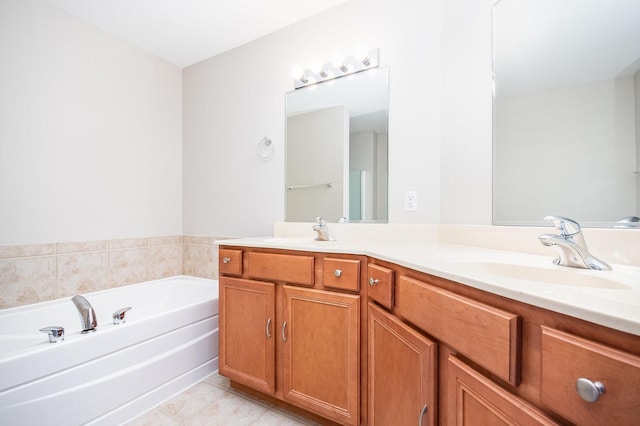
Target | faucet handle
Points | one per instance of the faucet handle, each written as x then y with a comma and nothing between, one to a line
565,225
55,332
321,221
119,315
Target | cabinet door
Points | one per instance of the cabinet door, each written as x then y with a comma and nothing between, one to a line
321,353
402,372
473,399
247,321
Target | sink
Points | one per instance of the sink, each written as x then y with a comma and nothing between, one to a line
293,241
547,274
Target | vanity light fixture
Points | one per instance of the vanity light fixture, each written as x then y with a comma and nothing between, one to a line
298,74
339,66
318,68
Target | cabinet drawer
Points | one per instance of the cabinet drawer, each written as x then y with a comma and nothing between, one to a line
567,358
474,399
343,274
281,267
230,261
484,334
381,287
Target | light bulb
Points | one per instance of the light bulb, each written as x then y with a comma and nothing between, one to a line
298,73
338,61
318,68
362,55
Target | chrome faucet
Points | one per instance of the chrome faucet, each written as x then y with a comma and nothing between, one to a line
323,231
87,314
571,246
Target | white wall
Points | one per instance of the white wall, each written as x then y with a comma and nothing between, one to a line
636,86
90,137
548,139
233,100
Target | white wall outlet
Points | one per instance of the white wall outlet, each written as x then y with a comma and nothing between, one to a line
410,201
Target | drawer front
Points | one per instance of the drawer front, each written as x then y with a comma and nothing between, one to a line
381,286
484,334
281,267
230,261
343,274
567,358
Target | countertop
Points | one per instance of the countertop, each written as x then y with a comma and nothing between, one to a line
609,298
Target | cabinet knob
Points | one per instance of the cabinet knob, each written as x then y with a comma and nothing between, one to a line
337,273
226,259
373,281
282,332
588,390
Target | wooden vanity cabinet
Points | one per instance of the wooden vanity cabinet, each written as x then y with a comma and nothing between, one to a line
285,334
402,372
502,361
247,341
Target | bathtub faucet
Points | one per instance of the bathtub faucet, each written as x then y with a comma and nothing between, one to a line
87,314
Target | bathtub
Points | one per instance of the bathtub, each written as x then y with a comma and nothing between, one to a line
168,342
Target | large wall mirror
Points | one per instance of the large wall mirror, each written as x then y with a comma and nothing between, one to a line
566,123
337,149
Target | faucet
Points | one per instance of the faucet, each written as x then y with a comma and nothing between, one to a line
87,314
321,228
571,246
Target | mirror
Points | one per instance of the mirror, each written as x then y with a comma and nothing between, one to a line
566,124
337,149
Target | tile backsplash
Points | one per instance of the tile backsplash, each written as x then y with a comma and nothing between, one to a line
41,272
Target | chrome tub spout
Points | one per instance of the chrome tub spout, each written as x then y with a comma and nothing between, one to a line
87,314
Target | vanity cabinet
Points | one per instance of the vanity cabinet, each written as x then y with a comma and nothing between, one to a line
499,361
286,334
475,399
247,342
402,372
587,382
362,341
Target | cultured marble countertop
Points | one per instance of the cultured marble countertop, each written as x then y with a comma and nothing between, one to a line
610,298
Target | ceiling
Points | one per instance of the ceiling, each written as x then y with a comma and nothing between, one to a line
184,32
549,43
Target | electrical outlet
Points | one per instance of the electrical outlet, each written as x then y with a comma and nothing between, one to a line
410,201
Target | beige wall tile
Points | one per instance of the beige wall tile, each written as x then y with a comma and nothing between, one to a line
81,246
127,266
166,240
210,267
80,273
165,261
128,243
27,280
192,260
7,252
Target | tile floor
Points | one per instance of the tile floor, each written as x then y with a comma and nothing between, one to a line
213,402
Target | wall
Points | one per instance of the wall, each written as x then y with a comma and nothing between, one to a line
90,142
443,151
545,141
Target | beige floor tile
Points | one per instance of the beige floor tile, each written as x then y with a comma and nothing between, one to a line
153,418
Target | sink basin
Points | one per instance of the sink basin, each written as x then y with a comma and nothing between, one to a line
294,241
548,274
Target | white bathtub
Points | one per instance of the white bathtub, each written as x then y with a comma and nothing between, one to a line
168,342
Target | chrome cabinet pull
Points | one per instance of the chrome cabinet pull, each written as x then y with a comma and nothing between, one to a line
226,259
373,281
422,413
337,273
284,326
588,390
268,328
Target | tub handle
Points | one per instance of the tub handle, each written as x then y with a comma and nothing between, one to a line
55,332
268,328
119,315
284,336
